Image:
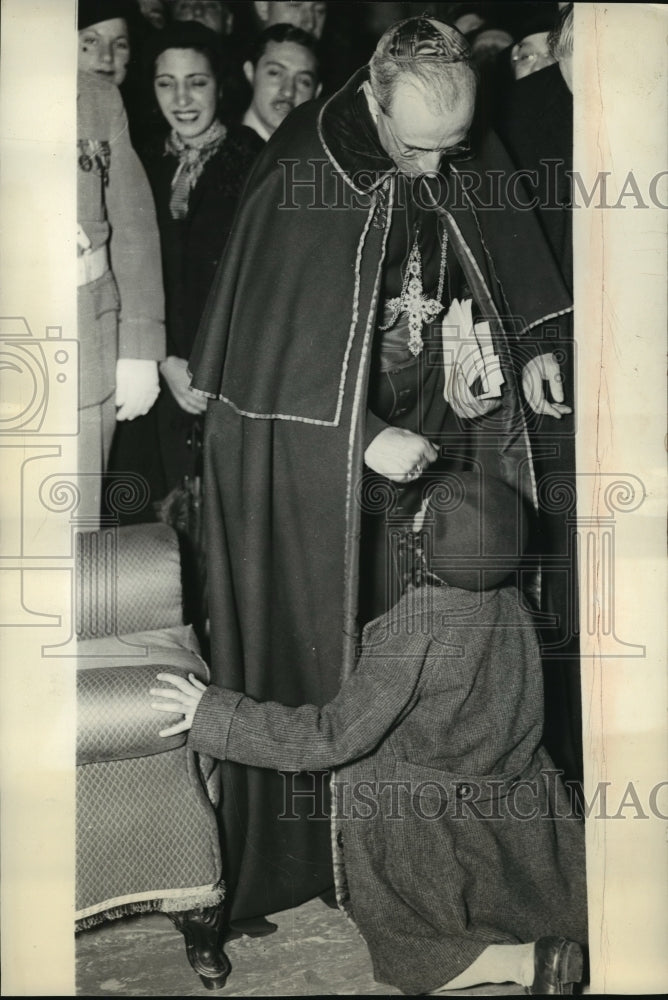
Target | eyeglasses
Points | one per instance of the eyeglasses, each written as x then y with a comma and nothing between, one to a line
459,151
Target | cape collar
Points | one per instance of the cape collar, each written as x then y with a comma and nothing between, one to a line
350,139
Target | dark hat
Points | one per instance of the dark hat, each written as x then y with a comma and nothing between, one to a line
95,11
474,530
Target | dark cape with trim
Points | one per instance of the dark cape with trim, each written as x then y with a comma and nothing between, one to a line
284,351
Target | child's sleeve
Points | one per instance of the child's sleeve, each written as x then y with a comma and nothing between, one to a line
213,718
230,726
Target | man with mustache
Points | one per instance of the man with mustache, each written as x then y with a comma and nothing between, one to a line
283,71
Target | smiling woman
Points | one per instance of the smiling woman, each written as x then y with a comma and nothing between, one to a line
196,173
186,91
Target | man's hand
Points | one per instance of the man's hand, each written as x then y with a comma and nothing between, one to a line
175,373
137,387
399,455
541,369
183,698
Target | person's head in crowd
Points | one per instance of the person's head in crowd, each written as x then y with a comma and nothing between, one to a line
104,38
467,18
378,17
487,35
531,53
186,63
153,11
283,71
421,93
309,16
213,14
487,44
560,43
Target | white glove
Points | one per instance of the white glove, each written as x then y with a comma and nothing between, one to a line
137,387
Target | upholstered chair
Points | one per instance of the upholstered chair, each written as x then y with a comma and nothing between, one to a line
147,837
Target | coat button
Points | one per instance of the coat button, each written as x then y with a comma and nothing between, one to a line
339,839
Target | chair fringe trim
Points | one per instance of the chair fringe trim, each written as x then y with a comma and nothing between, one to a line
173,904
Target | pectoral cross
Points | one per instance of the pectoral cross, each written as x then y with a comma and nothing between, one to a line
418,307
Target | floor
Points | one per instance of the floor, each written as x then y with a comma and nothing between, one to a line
316,951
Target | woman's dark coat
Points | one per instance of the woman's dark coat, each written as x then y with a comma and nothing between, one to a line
158,445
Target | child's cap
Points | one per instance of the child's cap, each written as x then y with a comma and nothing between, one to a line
472,531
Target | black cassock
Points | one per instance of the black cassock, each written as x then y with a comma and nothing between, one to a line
287,349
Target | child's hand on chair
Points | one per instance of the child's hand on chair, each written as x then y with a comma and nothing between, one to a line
183,699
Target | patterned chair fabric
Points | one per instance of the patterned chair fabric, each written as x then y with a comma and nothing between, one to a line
131,730
147,837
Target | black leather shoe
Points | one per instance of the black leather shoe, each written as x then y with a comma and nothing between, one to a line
557,966
251,927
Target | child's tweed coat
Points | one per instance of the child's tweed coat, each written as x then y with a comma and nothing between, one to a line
450,820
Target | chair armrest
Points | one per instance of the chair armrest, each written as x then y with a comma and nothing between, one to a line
115,720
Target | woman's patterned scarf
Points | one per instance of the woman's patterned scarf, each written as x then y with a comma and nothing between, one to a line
193,156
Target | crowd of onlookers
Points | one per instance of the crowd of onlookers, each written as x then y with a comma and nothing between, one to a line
509,41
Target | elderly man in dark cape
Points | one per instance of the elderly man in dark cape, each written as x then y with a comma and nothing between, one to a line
358,303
